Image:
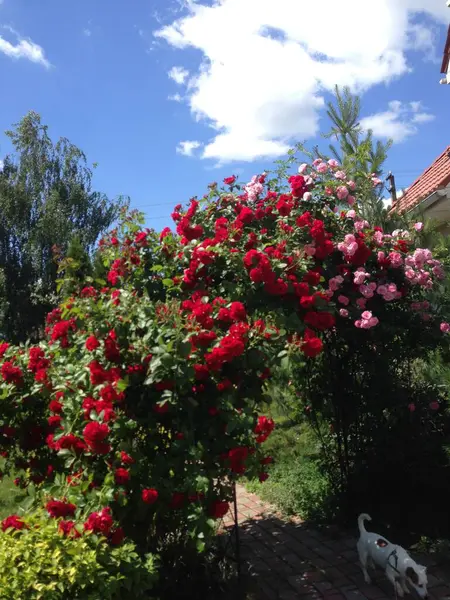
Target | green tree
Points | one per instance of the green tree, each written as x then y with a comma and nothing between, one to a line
46,200
358,153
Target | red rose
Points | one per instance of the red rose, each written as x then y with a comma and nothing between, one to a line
88,292
298,186
263,476
100,522
58,508
218,509
92,343
263,429
307,301
94,435
12,374
126,459
201,372
237,457
67,442
304,220
312,277
320,320
164,233
112,351
284,205
121,476
98,373
117,536
68,529
238,312
12,522
246,215
149,496
229,180
109,394
3,348
312,345
54,421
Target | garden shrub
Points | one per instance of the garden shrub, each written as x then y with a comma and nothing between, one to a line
141,407
38,562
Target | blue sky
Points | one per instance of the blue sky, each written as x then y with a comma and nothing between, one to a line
169,95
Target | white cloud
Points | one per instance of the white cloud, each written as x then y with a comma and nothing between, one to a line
423,118
178,74
2,164
24,48
266,64
175,98
399,122
87,32
187,147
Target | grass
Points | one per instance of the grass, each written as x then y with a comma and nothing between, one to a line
296,485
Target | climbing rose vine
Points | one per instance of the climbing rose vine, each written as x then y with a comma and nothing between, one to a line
141,407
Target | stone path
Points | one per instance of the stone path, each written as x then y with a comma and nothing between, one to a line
288,559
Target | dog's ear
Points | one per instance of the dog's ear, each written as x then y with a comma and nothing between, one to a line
411,573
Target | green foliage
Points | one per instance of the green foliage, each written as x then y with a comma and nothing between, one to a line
297,484
359,155
11,497
299,487
38,562
46,200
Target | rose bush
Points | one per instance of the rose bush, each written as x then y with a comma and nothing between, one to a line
141,407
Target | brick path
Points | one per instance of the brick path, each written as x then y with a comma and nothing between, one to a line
288,559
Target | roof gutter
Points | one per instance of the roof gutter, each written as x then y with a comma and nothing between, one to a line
431,199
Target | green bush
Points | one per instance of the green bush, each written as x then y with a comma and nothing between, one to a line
298,487
39,562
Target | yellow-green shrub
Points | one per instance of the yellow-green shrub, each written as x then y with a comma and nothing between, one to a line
38,562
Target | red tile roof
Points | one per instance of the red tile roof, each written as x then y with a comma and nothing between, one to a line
437,176
446,58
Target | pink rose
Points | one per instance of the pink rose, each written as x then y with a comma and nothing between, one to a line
434,405
444,327
411,407
342,192
418,226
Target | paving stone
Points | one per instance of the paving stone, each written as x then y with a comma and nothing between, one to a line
301,585
268,592
316,563
372,592
324,586
352,593
350,568
442,591
288,595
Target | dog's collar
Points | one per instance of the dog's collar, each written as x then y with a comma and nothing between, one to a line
395,555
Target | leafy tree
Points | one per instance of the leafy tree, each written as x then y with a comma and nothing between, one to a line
358,153
46,200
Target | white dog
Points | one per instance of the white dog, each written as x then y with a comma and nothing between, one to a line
396,562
